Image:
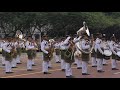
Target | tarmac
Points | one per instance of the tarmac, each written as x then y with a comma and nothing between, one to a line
21,70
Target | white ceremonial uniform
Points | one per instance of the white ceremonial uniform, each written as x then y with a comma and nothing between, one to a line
29,62
93,58
49,62
57,57
8,67
105,47
14,62
77,61
62,47
68,69
3,43
44,44
99,60
112,47
33,61
84,63
18,56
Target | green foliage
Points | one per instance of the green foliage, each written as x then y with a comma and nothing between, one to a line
63,22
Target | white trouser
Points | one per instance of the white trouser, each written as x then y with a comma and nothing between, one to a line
13,63
84,67
78,62
93,59
29,64
104,61
68,69
62,64
18,58
113,63
8,66
33,61
99,64
57,58
49,64
3,60
45,66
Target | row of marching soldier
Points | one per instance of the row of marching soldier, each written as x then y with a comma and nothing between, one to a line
10,53
11,49
68,50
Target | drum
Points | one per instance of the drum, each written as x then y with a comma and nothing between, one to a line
107,54
78,54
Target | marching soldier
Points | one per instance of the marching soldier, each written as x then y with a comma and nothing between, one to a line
105,46
114,53
8,56
51,45
76,60
99,51
93,55
18,48
62,49
77,54
35,52
57,52
85,45
14,44
3,43
46,54
69,56
30,52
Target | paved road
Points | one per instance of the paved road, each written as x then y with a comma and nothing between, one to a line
21,71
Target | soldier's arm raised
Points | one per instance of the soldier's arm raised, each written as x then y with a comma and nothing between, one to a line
43,48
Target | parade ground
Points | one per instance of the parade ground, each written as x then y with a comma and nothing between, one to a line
21,70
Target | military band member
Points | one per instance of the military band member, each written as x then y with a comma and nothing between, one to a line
46,54
34,55
57,52
35,52
51,45
76,60
85,45
3,43
100,53
8,56
14,62
77,54
114,53
62,49
30,52
93,55
69,56
18,48
105,46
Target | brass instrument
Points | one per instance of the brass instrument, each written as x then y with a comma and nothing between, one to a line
9,55
51,49
81,32
69,53
13,51
0,50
